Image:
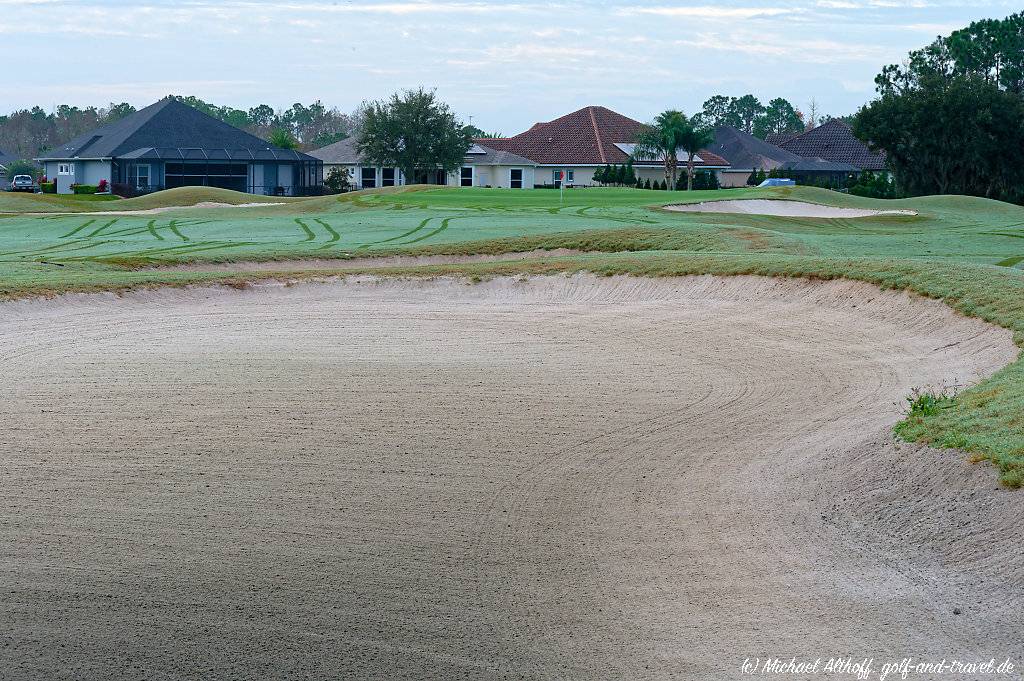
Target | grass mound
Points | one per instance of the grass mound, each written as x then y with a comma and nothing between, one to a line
190,196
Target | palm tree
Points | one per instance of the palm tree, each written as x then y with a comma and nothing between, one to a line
282,139
661,139
694,138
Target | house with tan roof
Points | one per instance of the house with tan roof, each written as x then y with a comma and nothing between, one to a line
579,143
573,146
482,166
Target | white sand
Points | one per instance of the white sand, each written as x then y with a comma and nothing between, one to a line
572,478
781,208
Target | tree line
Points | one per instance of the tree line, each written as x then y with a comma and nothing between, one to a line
747,113
27,133
951,118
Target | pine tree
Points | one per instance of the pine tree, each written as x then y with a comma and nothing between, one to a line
647,183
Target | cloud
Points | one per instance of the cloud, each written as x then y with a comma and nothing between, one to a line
710,12
873,4
816,50
933,29
393,8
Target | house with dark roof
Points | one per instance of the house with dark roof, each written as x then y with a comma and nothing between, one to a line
833,142
482,166
170,144
745,154
577,144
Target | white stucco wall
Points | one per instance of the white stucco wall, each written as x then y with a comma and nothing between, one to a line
496,176
729,178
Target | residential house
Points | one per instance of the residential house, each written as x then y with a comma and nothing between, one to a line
482,166
745,154
170,144
577,144
832,141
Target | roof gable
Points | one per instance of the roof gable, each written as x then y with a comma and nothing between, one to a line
834,141
167,124
590,136
343,152
744,151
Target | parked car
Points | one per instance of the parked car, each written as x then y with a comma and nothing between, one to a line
23,183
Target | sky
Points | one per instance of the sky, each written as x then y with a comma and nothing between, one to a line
501,65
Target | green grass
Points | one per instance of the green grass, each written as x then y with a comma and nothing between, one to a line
966,251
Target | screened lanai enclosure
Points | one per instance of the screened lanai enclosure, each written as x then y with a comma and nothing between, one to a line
271,172
170,144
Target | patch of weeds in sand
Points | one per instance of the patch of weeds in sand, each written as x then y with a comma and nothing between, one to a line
923,402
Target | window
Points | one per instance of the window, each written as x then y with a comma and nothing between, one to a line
142,176
466,176
65,168
570,175
387,177
368,178
515,178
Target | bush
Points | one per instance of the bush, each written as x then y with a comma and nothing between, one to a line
705,179
123,190
103,187
876,186
338,180
647,183
84,188
48,187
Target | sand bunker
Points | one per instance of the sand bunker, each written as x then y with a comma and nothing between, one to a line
560,478
781,208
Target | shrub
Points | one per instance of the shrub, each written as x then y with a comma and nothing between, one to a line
48,187
338,180
647,183
875,185
704,179
103,187
123,190
84,188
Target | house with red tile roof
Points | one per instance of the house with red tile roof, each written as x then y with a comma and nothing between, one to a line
579,143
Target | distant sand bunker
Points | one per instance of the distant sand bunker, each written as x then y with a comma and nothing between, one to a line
785,209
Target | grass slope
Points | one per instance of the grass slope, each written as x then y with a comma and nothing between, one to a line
966,251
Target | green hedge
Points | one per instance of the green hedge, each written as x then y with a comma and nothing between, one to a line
86,189
48,187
